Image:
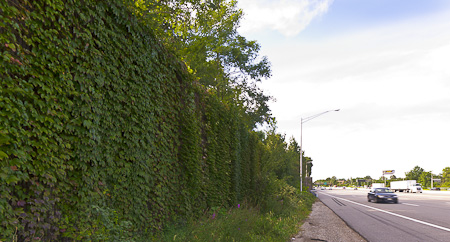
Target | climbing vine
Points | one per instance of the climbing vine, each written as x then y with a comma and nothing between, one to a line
104,133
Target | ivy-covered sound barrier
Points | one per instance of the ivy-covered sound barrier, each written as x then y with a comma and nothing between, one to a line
104,134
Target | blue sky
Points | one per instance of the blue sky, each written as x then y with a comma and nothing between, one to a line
348,15
343,16
384,63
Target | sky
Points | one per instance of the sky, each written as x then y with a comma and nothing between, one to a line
384,63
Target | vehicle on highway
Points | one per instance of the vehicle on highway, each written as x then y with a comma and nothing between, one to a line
378,185
382,195
435,188
406,186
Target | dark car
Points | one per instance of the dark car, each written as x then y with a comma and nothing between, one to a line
382,195
435,188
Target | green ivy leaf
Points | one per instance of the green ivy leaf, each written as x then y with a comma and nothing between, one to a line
3,155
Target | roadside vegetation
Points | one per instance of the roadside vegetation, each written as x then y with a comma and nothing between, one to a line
138,120
278,220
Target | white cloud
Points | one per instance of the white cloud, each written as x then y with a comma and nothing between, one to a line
288,17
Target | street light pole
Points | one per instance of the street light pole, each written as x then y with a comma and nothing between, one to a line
304,120
301,156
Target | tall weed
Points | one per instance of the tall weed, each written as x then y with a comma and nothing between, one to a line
281,218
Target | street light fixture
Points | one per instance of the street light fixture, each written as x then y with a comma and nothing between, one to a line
304,120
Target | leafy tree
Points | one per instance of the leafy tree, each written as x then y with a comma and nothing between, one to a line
446,177
204,34
425,179
282,159
294,167
414,174
309,165
333,180
275,159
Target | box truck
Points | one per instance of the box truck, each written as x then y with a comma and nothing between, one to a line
406,186
377,185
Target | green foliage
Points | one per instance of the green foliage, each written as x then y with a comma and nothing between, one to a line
108,227
425,179
414,174
34,108
278,223
105,135
446,177
204,34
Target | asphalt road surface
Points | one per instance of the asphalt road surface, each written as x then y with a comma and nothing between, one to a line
417,217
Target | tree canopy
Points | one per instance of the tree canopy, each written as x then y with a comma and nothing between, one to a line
446,176
204,34
414,174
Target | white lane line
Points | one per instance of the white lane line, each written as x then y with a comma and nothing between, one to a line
394,214
415,205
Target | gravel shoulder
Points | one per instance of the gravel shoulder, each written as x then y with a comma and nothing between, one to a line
324,225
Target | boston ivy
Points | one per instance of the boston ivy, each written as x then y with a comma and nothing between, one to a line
104,134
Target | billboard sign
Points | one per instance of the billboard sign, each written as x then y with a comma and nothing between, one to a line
388,172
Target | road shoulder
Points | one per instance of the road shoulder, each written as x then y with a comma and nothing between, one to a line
324,225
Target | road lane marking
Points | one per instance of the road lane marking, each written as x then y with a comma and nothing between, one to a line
415,205
394,214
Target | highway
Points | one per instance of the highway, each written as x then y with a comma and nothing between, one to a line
417,217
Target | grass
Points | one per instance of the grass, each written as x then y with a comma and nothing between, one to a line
276,220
